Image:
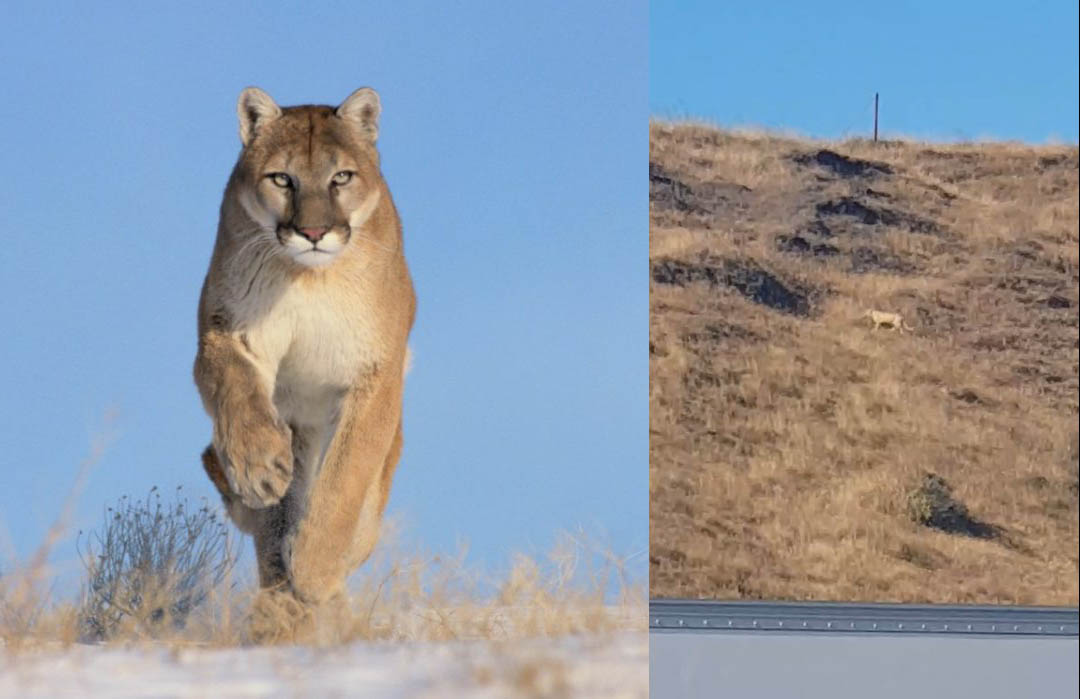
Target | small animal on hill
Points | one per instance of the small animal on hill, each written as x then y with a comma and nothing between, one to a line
895,321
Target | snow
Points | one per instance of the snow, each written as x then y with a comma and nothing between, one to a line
611,665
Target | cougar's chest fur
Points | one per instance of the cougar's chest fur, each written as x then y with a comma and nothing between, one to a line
312,342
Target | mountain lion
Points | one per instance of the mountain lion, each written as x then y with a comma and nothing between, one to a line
895,321
303,322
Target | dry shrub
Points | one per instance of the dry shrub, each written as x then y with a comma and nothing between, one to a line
151,566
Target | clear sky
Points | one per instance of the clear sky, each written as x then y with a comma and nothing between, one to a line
513,139
956,70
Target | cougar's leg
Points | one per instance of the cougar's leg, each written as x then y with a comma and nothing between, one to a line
344,500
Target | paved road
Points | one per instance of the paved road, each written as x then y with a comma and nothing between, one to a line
940,651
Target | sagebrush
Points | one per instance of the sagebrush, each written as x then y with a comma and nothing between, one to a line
151,565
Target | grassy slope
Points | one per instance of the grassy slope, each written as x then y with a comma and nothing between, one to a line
788,440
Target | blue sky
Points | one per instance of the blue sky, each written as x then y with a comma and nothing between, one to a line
957,70
513,140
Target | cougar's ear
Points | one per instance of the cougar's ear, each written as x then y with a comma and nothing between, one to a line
361,109
255,109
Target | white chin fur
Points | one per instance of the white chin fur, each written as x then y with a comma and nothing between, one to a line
303,252
313,258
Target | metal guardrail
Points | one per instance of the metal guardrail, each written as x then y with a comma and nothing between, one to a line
708,616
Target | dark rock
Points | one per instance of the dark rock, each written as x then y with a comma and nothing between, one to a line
970,397
819,228
668,192
745,277
795,243
843,165
865,260
801,246
872,216
847,206
720,332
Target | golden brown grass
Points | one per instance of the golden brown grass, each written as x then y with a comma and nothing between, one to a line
578,587
574,589
788,440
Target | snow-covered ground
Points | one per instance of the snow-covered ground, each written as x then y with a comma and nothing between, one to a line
612,665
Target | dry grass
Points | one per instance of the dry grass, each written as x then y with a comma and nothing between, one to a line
575,589
789,442
409,598
165,574
26,611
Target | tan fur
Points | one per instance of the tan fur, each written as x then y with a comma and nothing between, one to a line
302,344
895,321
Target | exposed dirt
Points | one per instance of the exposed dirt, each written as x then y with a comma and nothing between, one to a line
841,165
743,276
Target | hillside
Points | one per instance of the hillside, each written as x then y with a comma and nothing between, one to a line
795,453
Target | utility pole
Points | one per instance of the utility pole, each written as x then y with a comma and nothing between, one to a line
875,116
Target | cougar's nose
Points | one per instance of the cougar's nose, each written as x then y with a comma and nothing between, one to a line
313,234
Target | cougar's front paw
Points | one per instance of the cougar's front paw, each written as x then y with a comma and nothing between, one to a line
258,460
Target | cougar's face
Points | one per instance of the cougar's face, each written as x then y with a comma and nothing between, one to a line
309,185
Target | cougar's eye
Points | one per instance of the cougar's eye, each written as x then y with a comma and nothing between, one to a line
280,179
341,178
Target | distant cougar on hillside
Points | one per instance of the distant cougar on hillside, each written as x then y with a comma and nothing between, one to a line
894,320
